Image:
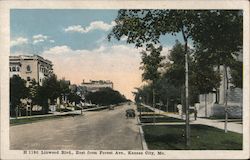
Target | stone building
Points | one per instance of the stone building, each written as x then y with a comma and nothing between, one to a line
30,67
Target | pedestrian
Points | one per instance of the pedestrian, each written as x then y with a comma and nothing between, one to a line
195,113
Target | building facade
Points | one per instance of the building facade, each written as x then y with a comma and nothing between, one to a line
30,67
94,86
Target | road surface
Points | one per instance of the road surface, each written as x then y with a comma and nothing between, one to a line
101,130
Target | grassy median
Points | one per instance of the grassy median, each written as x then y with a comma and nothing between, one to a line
171,137
143,109
160,119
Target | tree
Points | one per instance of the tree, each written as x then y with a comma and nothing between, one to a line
64,88
203,76
145,92
219,30
146,27
236,71
221,33
18,90
105,96
168,93
73,97
51,86
151,63
33,90
49,90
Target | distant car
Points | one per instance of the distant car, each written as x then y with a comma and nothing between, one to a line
130,113
111,107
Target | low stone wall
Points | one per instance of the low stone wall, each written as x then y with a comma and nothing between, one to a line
218,110
234,110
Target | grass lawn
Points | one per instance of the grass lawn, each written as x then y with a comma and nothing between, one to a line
99,109
143,109
219,118
171,137
36,119
160,119
151,114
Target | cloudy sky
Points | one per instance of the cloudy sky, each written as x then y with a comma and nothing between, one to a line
75,41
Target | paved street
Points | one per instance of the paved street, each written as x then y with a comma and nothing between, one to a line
106,130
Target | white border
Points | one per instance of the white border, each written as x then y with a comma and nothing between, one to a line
5,7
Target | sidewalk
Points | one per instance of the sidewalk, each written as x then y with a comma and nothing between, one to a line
49,115
61,113
231,126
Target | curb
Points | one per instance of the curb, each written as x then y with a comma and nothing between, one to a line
143,142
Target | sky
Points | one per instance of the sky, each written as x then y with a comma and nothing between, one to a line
76,43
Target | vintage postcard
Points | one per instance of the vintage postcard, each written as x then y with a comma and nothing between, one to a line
134,79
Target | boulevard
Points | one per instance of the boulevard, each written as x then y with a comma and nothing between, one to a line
107,129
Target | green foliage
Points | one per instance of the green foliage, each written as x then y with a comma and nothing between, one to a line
236,70
18,90
203,75
64,86
176,71
151,63
167,92
73,97
105,96
51,88
220,32
144,94
146,26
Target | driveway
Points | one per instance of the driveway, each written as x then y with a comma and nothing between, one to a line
97,130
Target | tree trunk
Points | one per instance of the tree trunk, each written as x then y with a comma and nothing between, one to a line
187,97
167,105
226,97
218,89
154,105
205,105
182,100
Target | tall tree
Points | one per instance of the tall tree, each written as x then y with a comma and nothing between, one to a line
151,63
204,77
146,26
51,86
33,89
18,90
64,88
221,33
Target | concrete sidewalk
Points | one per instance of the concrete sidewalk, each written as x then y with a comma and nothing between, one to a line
62,113
49,115
231,126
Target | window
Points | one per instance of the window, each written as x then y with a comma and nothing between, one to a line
28,78
13,69
10,69
17,69
28,68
